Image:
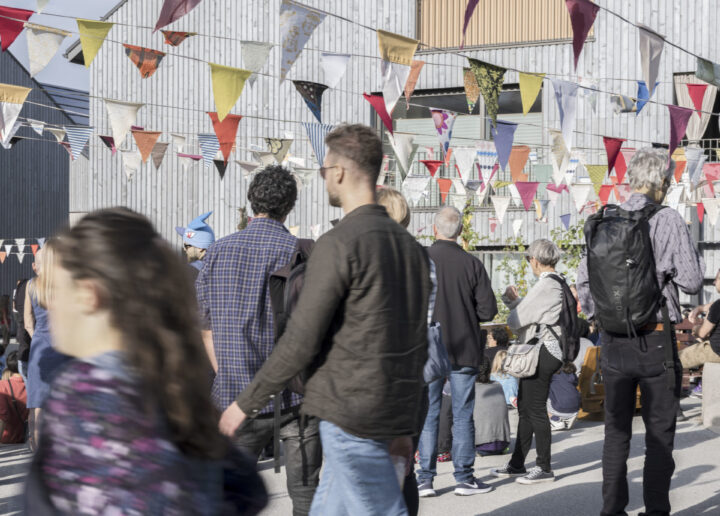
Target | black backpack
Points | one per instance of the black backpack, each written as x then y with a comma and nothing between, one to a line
568,321
621,268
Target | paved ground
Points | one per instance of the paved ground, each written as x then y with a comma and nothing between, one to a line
576,461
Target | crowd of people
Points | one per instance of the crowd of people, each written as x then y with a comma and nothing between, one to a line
153,386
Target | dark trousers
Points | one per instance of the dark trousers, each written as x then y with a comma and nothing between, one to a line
303,452
532,408
626,364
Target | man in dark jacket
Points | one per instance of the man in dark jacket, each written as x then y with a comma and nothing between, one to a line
464,299
361,325
22,336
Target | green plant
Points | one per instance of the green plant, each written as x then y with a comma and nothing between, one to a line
571,242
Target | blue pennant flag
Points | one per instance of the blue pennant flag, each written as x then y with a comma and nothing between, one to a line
565,220
642,95
317,134
312,95
503,137
209,147
77,137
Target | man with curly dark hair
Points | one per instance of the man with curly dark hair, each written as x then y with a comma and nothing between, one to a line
238,331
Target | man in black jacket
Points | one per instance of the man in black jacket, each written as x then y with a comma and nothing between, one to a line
22,336
464,299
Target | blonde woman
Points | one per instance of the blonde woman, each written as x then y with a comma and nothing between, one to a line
509,383
44,362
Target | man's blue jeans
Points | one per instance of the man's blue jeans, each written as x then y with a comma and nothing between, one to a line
358,477
462,388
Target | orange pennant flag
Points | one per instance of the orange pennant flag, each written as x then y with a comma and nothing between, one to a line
225,132
518,158
679,169
34,248
448,154
3,254
444,183
146,140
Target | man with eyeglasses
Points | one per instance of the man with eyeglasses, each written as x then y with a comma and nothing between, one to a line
197,237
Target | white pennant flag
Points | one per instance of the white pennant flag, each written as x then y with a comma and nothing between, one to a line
712,209
457,200
122,117
566,96
459,186
681,209
414,188
501,205
695,161
465,160
334,66
315,230
248,167
404,149
672,198
305,175
517,225
581,194
20,257
482,193
254,55
37,126
185,161
8,135
264,157
552,197
12,99
515,195
59,134
178,141
20,243
560,156
131,162
651,48
43,43
394,77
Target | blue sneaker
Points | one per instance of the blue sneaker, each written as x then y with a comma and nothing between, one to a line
471,488
425,489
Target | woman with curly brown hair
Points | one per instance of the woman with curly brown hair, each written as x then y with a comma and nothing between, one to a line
128,427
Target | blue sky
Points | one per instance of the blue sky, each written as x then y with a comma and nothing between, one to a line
60,71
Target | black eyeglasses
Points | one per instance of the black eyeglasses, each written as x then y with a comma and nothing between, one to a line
187,246
325,169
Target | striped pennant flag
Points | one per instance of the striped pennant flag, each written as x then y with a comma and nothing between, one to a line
317,134
209,147
77,137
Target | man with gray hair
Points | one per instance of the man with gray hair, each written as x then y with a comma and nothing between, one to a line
645,354
464,299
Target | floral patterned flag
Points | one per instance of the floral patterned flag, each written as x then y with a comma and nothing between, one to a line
311,93
297,24
490,79
147,60
174,38
279,147
472,89
444,121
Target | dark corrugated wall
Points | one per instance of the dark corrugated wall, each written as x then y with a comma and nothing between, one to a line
34,178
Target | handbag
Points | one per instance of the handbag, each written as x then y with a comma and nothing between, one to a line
522,359
438,362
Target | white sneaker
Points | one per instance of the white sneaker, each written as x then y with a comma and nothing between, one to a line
570,422
535,476
557,425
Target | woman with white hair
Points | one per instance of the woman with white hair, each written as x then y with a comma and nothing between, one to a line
530,319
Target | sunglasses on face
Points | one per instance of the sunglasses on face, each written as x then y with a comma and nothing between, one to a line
323,170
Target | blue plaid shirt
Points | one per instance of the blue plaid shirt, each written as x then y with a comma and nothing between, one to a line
234,301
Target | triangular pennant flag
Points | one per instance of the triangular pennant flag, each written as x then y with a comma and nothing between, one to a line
604,193
77,137
209,147
472,88
413,76
672,198
334,66
530,85
612,148
582,17
622,104
12,99
501,205
221,166
700,211
493,224
394,77
518,158
173,10
622,192
622,163
227,84
396,52
695,161
41,242
444,121
255,55
444,184
34,248
315,231
697,92
305,175
122,116
131,162
3,255
651,48
708,71
448,154
469,10
527,191
145,141
517,225
37,126
560,156
458,185
473,184
503,135
414,188
297,24
20,243
565,219
249,167
226,131
20,257
279,147
432,165
597,175
680,164
265,158
8,137
42,42
458,201
59,134
541,207
178,141
311,93
679,117
404,149
174,38
566,97
581,192
712,208
92,35
497,185
109,143
158,154
465,159
8,248
11,24
316,134
643,95
515,195
147,60
377,102
294,230
490,79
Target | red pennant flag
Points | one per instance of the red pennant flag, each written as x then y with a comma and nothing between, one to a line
582,17
34,248
679,117
11,28
225,132
145,141
378,102
622,163
679,169
612,147
432,165
109,142
174,10
146,59
711,171
527,190
174,38
493,224
697,92
518,159
445,185
700,211
604,193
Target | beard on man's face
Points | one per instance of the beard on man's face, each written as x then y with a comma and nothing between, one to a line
334,200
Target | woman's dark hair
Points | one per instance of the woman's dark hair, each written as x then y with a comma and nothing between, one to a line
12,362
273,192
568,368
145,287
501,336
483,375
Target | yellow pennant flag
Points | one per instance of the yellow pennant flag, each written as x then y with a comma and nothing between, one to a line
500,184
92,36
396,48
227,84
597,175
530,84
